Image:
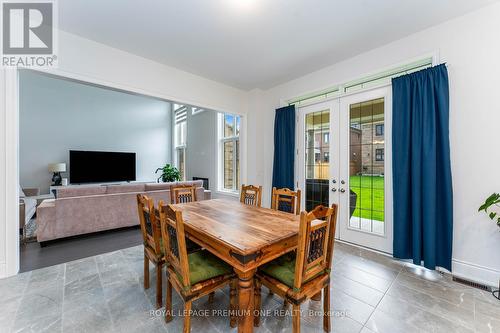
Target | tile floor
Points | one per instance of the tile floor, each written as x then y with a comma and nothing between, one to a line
370,293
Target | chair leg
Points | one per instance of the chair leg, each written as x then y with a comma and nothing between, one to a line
316,297
296,318
233,301
187,317
146,271
211,297
159,286
168,302
326,308
257,303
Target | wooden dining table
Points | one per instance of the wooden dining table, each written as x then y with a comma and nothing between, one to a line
243,236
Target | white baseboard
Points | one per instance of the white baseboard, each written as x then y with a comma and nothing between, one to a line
475,273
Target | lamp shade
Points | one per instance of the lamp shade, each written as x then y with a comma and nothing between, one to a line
57,167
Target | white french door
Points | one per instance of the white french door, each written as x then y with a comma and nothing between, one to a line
344,158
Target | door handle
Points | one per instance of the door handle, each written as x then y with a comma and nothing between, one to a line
342,190
334,189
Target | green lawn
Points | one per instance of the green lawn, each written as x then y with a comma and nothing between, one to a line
370,201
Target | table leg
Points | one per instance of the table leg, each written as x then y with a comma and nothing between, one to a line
245,301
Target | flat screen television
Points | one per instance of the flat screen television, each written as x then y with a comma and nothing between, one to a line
100,167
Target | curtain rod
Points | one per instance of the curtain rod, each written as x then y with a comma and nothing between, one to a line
342,88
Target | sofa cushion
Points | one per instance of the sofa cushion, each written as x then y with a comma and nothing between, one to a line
126,188
159,186
80,191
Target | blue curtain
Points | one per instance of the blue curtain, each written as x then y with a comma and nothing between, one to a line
423,196
284,147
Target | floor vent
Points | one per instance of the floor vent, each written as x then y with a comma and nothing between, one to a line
471,284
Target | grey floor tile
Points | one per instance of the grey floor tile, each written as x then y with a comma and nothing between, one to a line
46,277
8,312
40,311
354,308
126,300
51,323
381,322
438,306
345,325
457,296
110,261
486,324
355,289
366,330
361,276
401,310
378,269
91,316
84,284
80,268
15,285
106,294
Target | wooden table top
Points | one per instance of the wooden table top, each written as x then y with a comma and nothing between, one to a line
243,228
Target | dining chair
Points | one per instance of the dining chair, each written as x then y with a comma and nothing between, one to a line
192,275
183,193
298,276
251,195
286,200
151,236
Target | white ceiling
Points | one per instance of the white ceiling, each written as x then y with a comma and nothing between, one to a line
253,43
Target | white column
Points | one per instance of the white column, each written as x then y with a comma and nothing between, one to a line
9,177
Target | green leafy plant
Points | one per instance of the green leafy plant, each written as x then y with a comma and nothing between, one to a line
492,200
169,173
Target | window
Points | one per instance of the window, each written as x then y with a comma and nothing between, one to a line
326,157
229,152
379,154
379,129
326,138
180,137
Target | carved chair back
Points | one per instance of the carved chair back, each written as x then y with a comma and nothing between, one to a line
174,241
315,245
286,200
150,223
183,193
251,195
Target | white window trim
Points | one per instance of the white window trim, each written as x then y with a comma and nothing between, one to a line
181,146
220,151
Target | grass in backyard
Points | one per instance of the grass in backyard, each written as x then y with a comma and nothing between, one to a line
370,201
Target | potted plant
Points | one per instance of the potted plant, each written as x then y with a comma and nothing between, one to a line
169,173
492,204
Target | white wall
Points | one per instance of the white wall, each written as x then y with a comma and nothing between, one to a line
201,150
59,115
470,46
89,61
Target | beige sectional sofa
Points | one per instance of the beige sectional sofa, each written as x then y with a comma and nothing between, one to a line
79,210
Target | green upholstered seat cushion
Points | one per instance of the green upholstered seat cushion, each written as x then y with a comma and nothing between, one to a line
283,269
203,266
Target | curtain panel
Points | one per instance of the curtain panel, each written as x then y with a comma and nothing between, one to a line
284,148
423,196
